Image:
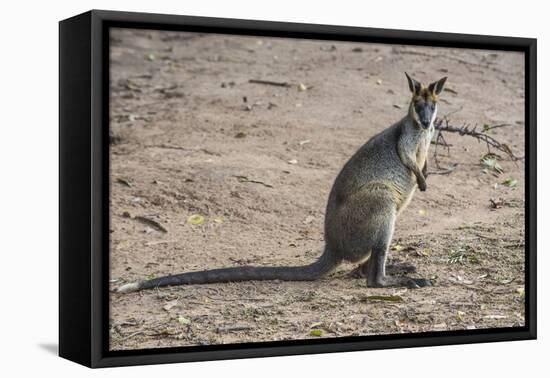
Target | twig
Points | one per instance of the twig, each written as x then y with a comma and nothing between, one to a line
443,125
131,335
487,128
487,237
151,222
168,147
447,171
246,179
173,147
268,82
440,141
470,286
158,242
236,328
454,111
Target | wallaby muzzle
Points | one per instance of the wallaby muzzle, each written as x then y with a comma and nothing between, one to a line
425,115
425,124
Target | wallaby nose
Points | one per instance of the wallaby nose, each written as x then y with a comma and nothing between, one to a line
425,124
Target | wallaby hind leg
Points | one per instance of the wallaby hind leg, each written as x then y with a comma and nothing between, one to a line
397,268
377,277
376,265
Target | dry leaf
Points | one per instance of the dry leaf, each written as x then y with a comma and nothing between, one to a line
124,182
496,203
316,332
397,248
183,321
388,298
423,252
195,219
492,164
510,182
170,305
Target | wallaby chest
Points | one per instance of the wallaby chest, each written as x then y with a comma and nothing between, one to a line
423,147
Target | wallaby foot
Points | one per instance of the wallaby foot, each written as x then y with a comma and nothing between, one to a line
398,281
391,269
376,270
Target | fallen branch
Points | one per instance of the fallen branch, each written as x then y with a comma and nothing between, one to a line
481,136
268,82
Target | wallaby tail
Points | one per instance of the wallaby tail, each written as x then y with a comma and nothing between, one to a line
324,265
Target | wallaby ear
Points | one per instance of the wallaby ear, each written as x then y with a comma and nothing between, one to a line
414,85
437,86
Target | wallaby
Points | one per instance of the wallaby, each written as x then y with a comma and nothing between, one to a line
372,189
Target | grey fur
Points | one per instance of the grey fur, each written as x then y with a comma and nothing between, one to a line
372,189
368,195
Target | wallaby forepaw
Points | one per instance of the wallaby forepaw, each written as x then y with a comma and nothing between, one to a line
422,186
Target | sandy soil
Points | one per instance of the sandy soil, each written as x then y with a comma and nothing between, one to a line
191,135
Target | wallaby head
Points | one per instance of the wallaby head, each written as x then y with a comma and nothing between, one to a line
423,106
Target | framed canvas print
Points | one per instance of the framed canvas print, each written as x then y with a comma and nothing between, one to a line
233,188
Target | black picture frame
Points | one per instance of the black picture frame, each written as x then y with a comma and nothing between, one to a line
84,189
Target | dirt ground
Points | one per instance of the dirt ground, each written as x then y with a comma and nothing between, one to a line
192,136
